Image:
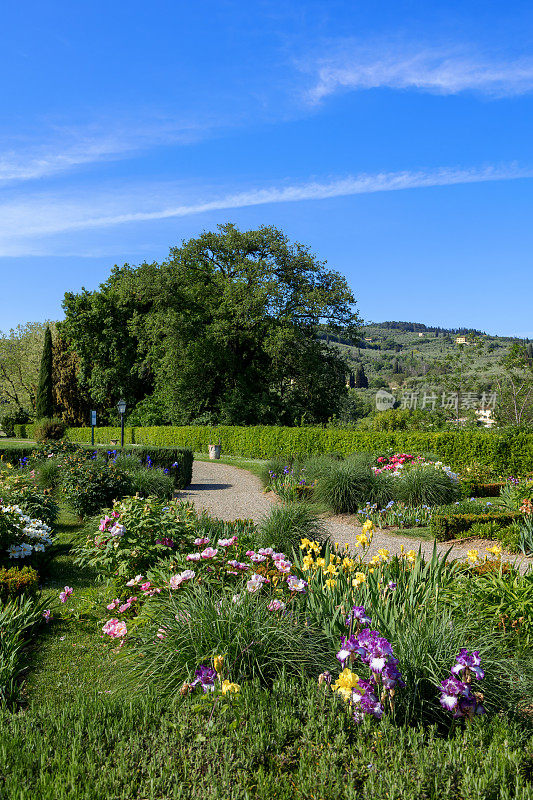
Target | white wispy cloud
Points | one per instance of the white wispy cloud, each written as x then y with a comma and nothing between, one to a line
437,70
64,148
24,223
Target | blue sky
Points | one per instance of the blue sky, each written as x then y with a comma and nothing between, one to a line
394,138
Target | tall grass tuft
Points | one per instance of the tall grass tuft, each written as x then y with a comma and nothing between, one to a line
425,486
256,643
348,486
17,620
286,525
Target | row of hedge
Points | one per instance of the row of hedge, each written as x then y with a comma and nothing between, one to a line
506,451
24,431
177,459
446,527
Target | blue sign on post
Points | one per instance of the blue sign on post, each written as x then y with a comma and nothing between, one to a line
93,423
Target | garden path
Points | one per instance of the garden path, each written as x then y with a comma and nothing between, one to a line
232,493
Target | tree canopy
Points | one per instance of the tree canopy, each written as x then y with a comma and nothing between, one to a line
224,330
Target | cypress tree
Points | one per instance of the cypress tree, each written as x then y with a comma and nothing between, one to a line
351,381
44,405
361,381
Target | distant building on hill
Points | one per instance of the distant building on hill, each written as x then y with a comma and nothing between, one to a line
461,340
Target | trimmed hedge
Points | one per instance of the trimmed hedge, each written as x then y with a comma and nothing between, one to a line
445,527
15,582
24,431
506,451
101,435
164,457
13,454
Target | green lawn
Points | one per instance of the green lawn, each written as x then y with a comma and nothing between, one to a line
71,656
253,465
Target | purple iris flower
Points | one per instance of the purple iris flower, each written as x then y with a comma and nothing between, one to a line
359,613
451,690
471,661
205,677
391,675
348,646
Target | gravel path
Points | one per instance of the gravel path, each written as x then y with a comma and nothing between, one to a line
231,493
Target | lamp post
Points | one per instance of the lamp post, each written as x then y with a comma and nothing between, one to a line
121,406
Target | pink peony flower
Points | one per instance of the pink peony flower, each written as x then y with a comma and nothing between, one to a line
193,557
283,566
104,523
47,614
201,541
257,558
209,552
276,605
134,581
124,607
145,586
113,604
65,593
227,542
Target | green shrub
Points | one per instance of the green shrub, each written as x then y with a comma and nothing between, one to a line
506,451
89,486
287,524
145,523
10,420
49,429
16,581
424,486
471,488
36,503
14,453
177,460
448,526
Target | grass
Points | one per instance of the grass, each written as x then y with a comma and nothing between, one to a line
253,465
71,657
295,742
414,533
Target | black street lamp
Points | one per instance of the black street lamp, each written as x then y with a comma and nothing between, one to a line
121,406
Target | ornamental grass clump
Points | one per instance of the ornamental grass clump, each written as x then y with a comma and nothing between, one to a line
425,486
258,643
286,525
348,486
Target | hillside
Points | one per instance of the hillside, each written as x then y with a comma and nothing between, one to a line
412,355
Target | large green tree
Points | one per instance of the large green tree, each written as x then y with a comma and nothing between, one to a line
20,358
226,328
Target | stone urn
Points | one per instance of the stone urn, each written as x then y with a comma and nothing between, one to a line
214,451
